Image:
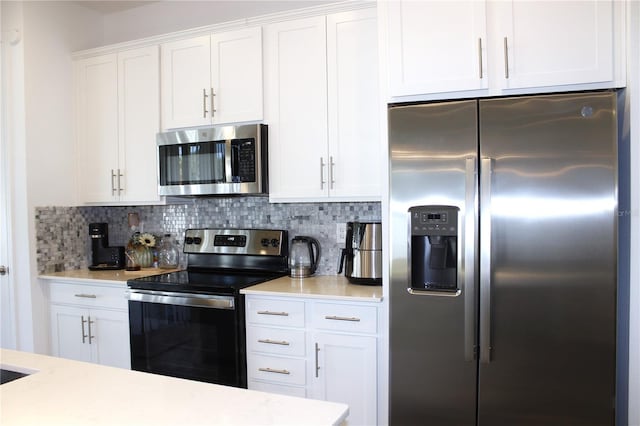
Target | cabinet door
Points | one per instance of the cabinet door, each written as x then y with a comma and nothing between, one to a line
97,125
555,43
353,105
436,46
236,75
139,121
296,108
70,332
110,338
185,82
346,371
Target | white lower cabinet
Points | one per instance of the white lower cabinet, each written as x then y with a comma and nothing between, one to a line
90,323
315,349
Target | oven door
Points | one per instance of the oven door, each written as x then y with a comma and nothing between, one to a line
191,336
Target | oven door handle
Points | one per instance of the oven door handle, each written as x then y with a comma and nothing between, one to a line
182,299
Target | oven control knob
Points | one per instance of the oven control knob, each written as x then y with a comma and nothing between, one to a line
197,240
264,242
274,242
188,240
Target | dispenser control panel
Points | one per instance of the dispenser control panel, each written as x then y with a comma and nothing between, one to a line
434,220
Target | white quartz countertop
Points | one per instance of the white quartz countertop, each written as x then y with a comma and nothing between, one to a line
66,392
119,276
335,287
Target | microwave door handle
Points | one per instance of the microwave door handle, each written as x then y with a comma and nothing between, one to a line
228,161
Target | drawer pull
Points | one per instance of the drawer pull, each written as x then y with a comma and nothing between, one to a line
280,314
337,318
273,370
274,342
86,296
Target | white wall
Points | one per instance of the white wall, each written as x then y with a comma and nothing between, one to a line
170,16
40,136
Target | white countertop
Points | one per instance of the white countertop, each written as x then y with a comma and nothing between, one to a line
66,392
334,287
119,276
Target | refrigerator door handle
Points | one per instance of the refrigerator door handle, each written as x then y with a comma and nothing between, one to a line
486,172
470,231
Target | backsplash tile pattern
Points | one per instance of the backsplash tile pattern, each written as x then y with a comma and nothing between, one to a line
63,241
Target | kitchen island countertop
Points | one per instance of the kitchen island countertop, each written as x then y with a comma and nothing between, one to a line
66,392
335,287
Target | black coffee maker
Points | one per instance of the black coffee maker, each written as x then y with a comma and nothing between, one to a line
104,257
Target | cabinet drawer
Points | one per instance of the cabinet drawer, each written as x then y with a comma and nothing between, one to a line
277,388
350,318
276,341
88,295
288,313
276,369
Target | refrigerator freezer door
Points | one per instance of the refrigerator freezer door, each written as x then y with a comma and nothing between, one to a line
550,358
433,152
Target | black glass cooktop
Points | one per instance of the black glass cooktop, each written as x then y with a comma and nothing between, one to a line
202,282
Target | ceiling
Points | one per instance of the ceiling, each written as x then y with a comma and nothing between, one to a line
112,6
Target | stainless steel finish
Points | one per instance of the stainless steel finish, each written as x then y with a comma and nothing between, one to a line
531,338
322,181
113,183
273,370
213,109
332,165
82,321
480,56
254,241
433,293
430,146
317,351
182,299
280,314
274,342
89,322
87,296
485,260
120,176
506,58
468,270
3,270
337,318
204,103
216,133
363,257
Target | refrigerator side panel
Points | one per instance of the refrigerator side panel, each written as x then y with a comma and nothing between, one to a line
548,302
433,154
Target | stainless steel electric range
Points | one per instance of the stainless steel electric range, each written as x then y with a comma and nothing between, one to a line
191,324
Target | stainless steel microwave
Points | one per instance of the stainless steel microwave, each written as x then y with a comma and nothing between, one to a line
220,160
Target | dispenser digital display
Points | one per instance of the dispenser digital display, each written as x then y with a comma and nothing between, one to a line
433,248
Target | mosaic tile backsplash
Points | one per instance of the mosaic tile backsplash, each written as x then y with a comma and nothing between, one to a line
62,233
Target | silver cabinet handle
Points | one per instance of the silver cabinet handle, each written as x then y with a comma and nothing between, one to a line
337,318
485,259
280,314
113,184
480,56
89,324
273,370
213,109
3,270
204,103
274,342
506,58
332,180
86,296
82,321
322,181
317,365
468,269
120,188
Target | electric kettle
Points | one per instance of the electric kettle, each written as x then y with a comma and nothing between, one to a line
304,255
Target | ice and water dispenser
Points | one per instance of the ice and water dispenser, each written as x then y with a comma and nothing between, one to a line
433,248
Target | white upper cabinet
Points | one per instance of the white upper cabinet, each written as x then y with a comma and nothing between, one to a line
212,79
117,118
437,46
479,48
321,105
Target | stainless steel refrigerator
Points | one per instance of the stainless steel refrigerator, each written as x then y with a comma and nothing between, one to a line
503,261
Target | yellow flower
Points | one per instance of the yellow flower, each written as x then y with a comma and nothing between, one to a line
148,239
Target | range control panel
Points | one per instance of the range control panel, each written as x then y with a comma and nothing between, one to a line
269,242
